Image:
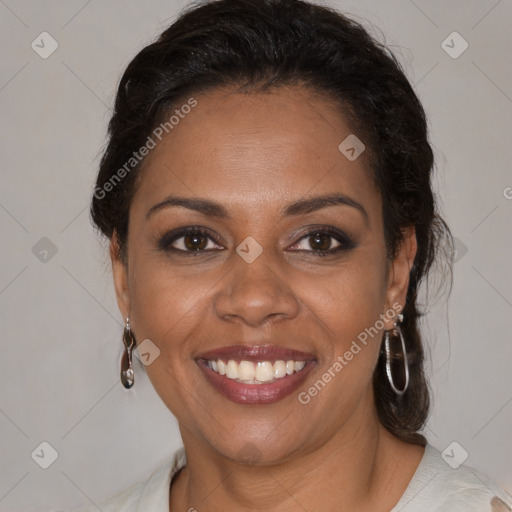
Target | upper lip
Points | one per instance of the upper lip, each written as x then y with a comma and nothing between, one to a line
256,353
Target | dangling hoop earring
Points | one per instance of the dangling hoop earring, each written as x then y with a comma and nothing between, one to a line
396,332
127,374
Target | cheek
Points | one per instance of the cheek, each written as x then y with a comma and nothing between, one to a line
352,302
165,305
355,292
167,309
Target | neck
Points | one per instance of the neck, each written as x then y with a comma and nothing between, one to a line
361,466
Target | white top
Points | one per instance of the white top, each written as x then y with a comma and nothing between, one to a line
434,487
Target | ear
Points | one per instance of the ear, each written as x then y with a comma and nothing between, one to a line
399,271
120,273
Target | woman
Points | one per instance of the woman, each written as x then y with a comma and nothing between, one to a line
266,191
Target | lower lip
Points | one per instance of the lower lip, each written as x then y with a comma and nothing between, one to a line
252,394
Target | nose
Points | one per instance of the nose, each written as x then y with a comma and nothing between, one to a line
255,293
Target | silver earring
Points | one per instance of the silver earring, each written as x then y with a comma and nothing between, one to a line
127,375
396,332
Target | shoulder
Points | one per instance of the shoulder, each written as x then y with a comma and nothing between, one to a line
151,493
438,486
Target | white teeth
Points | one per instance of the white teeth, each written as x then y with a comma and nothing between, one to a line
255,373
264,371
232,370
279,369
246,370
299,365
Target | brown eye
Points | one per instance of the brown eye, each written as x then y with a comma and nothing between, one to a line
324,241
195,242
320,241
189,241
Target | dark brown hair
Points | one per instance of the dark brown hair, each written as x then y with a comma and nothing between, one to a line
256,45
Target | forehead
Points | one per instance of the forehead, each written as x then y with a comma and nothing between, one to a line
248,149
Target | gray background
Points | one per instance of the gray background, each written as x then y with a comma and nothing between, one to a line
60,326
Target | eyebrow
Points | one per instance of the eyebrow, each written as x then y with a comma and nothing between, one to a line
212,209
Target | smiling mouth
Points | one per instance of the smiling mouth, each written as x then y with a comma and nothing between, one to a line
259,372
255,374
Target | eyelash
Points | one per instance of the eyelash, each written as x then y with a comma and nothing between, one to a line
346,243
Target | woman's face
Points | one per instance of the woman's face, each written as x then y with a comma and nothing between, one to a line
271,268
